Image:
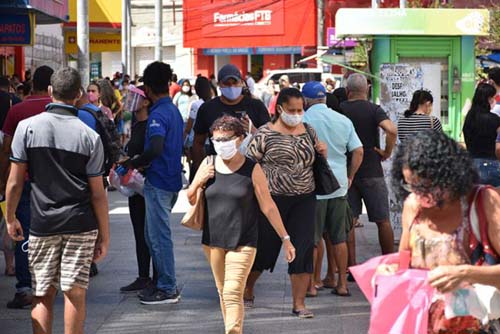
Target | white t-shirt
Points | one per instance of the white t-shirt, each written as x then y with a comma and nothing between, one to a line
496,109
195,106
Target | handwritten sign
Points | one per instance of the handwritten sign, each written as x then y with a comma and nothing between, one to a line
398,82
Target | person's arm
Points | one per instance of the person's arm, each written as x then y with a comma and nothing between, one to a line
497,145
204,173
4,162
189,126
356,160
99,201
449,278
270,210
198,149
391,134
154,150
14,190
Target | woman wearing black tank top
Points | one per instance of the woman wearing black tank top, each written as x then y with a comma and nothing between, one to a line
235,190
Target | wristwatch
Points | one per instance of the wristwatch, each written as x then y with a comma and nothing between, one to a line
286,237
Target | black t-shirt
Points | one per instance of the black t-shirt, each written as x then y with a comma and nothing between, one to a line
232,211
135,145
213,109
366,118
480,135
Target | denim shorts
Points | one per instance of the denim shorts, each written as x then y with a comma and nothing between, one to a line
373,192
488,170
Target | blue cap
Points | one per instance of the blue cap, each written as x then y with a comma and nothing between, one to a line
229,71
314,90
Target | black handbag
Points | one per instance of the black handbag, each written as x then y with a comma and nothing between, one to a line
326,182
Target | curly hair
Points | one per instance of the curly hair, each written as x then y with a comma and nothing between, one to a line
440,164
228,123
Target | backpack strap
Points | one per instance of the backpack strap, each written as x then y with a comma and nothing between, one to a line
91,111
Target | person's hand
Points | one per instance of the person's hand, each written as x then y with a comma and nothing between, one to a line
205,172
247,123
289,251
447,278
100,249
322,148
15,230
384,155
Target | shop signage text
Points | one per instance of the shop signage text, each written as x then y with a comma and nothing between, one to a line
98,42
16,29
223,17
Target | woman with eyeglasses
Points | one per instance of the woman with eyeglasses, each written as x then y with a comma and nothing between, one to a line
236,192
435,178
286,150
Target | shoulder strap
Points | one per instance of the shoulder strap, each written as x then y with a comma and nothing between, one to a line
309,132
91,111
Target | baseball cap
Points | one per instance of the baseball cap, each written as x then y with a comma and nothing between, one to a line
229,71
314,90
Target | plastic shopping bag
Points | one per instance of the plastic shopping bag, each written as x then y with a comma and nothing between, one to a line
135,181
117,181
401,303
364,274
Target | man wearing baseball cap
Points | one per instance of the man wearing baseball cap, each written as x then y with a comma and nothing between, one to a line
232,102
333,214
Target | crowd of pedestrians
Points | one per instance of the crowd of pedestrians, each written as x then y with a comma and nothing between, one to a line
254,162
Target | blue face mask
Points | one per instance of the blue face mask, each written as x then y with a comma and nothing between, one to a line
231,93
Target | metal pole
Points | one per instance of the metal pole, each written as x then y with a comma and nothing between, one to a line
321,30
402,3
82,39
374,4
124,36
159,30
129,40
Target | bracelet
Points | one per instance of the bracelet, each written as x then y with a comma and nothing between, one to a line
286,237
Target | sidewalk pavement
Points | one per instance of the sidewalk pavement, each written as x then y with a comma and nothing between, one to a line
110,311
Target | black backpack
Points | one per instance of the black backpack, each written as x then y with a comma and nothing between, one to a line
109,136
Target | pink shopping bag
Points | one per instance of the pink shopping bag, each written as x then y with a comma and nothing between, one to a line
401,303
364,273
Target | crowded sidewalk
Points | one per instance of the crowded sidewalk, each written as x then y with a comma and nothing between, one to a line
109,311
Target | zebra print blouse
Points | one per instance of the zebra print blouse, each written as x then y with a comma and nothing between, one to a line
287,160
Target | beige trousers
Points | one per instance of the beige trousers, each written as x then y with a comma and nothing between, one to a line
230,269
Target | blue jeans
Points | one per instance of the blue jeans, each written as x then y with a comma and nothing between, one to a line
23,214
159,204
489,171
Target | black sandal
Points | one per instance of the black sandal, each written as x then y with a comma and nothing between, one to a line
303,314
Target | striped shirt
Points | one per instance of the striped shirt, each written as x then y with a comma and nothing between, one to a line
409,126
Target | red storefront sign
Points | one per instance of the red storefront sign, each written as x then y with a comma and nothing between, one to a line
249,23
248,18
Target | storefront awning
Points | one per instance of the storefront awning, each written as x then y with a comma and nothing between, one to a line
44,11
412,21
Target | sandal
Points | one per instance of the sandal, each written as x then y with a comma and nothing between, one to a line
337,293
319,287
303,314
311,295
327,285
359,224
249,302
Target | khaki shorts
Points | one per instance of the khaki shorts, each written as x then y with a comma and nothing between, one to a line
60,260
333,217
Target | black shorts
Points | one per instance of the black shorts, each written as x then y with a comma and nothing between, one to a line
373,191
298,214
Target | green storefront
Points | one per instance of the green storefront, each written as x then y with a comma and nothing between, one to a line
442,39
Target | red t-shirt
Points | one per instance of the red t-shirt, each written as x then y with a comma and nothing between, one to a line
31,106
174,89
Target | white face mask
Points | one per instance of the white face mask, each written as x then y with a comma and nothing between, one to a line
226,150
291,120
186,89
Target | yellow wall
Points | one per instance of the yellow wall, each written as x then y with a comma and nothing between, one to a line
107,11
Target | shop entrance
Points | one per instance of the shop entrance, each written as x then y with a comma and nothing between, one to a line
256,66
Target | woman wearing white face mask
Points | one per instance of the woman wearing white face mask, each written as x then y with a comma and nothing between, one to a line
287,151
235,191
183,99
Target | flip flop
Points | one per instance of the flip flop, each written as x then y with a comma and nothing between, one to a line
337,293
303,314
328,286
319,287
249,302
310,295
359,224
